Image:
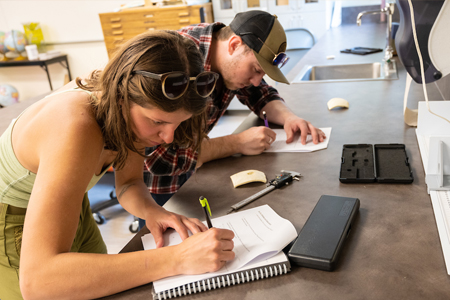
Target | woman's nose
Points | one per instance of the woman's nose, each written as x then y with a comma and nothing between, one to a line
167,135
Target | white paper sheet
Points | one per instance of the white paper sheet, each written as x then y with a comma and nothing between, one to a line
260,233
279,145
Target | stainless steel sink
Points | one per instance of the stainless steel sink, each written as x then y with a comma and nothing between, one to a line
349,72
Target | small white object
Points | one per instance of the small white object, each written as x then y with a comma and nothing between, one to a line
244,177
337,102
438,171
49,54
32,52
331,57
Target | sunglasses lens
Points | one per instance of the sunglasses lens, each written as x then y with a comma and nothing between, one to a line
205,82
175,84
286,59
280,59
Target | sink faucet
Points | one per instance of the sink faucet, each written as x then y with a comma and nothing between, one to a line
389,11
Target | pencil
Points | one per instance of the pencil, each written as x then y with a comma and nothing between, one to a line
265,120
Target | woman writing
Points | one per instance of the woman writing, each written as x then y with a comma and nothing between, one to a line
153,91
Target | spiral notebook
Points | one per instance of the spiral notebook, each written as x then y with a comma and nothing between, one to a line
260,235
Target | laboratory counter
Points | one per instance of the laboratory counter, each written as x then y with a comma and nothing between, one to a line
393,249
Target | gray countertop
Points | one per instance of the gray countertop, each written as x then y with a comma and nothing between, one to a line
393,250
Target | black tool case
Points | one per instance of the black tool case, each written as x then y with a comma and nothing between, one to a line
383,163
321,239
361,50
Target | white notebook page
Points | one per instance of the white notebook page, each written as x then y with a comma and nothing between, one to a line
260,233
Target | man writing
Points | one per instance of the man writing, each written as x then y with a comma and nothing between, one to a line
242,53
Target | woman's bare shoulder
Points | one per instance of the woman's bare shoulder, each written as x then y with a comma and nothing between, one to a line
62,110
62,121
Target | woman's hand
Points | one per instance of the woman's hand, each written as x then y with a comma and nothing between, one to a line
159,219
205,251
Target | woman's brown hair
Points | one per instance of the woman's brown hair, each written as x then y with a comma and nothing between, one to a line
157,52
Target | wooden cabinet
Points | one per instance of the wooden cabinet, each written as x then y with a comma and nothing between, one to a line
119,27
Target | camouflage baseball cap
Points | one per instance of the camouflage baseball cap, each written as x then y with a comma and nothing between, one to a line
263,33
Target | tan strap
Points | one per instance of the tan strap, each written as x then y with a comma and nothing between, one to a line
13,210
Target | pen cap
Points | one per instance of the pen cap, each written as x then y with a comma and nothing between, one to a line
204,202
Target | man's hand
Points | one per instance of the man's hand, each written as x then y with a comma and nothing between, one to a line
255,140
294,124
252,141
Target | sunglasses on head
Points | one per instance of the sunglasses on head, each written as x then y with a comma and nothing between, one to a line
279,59
175,84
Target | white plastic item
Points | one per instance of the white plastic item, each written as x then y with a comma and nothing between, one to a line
337,102
32,52
247,176
439,42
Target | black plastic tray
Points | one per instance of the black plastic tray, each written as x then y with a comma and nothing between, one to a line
384,163
361,50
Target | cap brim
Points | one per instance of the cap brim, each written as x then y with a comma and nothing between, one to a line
272,71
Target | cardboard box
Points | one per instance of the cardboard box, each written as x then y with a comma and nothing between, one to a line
282,2
253,3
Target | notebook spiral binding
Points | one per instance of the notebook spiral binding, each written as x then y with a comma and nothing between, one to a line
223,281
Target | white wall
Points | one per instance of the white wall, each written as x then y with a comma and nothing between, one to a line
348,3
70,26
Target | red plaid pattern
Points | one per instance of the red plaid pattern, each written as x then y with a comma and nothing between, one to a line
165,164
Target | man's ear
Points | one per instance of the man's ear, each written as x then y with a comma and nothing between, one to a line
234,43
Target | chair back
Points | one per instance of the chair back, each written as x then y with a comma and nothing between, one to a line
299,38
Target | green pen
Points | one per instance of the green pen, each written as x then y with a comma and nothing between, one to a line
206,208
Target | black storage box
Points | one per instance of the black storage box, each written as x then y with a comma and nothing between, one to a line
384,163
320,241
361,50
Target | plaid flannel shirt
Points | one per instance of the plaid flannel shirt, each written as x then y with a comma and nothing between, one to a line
165,164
